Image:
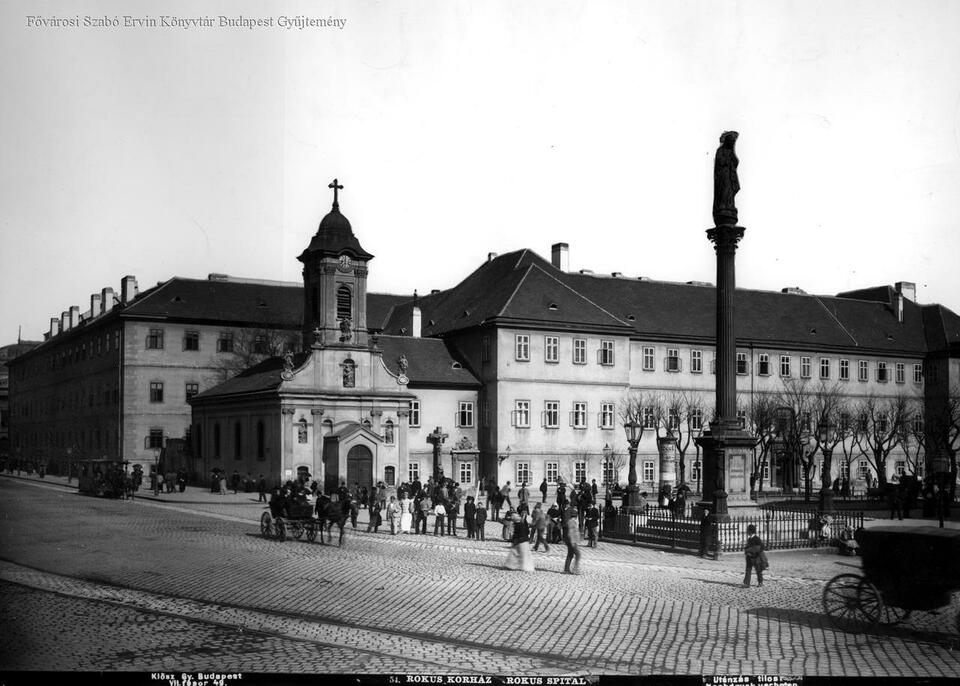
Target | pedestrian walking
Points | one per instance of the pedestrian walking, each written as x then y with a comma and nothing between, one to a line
755,558
262,490
470,517
223,483
705,530
543,491
523,495
539,525
426,506
570,535
481,522
505,495
406,514
519,557
496,502
375,518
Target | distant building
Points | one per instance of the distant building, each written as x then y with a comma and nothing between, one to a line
8,352
523,364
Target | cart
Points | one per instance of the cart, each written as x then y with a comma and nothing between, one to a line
905,569
296,517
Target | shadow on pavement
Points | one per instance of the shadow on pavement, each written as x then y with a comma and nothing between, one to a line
716,583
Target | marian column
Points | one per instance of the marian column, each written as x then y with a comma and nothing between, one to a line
725,445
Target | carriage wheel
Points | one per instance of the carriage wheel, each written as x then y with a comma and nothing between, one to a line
296,529
266,524
889,615
280,529
871,603
311,532
841,600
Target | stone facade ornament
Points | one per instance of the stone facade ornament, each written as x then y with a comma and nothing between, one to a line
464,444
402,364
287,372
345,333
317,336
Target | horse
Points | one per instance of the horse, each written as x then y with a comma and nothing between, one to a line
330,513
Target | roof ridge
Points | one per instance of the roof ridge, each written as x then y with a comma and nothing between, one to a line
516,288
837,320
574,290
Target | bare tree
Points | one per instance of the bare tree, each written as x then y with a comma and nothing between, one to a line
943,431
249,347
761,424
913,439
880,429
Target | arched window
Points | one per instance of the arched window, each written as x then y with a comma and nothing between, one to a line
344,302
237,431
216,441
261,441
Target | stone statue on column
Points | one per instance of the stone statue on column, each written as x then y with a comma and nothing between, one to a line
725,180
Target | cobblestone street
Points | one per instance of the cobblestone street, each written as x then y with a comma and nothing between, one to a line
186,582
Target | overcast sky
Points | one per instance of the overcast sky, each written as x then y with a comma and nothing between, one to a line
462,128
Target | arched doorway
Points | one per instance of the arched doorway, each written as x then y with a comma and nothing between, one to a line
359,466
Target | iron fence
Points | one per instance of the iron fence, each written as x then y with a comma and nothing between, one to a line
779,529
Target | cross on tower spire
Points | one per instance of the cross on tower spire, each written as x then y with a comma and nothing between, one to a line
335,186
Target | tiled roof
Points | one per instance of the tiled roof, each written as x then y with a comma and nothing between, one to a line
430,361
264,376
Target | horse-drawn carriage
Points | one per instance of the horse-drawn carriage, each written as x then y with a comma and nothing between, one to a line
905,569
298,516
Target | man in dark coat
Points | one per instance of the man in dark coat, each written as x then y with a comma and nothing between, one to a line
539,522
470,517
453,510
543,491
481,521
262,490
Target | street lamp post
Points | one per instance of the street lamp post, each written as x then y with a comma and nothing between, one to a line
634,431
607,455
827,432
156,470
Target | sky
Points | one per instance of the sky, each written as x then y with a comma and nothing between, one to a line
460,128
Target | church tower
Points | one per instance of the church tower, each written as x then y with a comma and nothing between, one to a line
335,284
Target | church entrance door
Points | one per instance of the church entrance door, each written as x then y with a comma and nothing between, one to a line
359,466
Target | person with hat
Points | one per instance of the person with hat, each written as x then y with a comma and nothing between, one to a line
481,522
571,532
755,557
592,521
470,517
539,518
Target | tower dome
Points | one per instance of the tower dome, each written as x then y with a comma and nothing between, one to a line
335,235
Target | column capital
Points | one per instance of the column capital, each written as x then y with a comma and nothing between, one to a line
288,411
315,412
725,236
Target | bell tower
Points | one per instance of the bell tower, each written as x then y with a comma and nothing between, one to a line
335,284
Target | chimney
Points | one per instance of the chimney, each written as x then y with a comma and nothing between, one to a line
560,256
95,305
106,299
907,290
128,289
491,256
64,321
74,315
416,323
54,326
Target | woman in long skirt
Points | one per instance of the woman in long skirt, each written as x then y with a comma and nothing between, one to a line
520,557
406,515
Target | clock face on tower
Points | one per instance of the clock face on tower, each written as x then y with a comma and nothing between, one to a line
345,263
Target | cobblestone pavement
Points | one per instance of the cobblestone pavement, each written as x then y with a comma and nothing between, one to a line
196,578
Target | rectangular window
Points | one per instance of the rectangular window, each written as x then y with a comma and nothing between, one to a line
882,423
552,470
579,472
649,420
578,418
521,414
522,347
844,370
647,359
191,340
606,415
192,390
155,339
785,365
882,372
465,414
156,391
862,469
901,372
696,419
485,349
551,414
523,473
917,424
824,368
900,467
844,422
551,349
606,353
695,473
414,413
673,419
696,362
861,370
648,471
672,362
741,363
466,473
155,439
260,344
579,350
918,373
804,367
413,471
763,364
225,342
609,473
742,418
